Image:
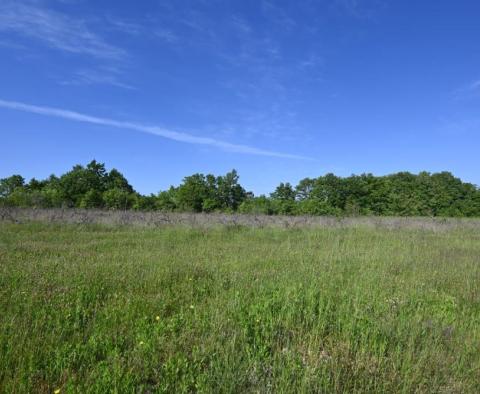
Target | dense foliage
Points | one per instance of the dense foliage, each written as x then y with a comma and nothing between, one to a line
402,194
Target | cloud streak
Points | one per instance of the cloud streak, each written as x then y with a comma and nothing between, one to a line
155,130
470,91
101,76
55,30
474,85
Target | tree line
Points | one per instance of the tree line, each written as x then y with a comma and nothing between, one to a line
400,194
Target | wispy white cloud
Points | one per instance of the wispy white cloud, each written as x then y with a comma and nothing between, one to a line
124,26
460,125
360,9
475,85
312,61
241,24
155,130
11,44
55,30
468,91
32,19
166,35
270,123
278,16
103,76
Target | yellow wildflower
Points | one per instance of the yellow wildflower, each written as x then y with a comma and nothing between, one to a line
157,318
57,391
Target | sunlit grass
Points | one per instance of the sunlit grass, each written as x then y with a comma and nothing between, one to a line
232,309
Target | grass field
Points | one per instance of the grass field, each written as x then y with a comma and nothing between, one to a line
234,309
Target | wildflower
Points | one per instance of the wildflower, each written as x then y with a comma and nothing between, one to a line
56,391
157,318
192,307
141,343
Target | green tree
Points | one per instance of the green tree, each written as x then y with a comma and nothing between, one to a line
257,206
229,192
118,199
92,199
313,206
284,192
167,200
283,199
304,188
115,180
77,182
192,193
144,203
10,184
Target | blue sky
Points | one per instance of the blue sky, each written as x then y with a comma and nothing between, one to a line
279,90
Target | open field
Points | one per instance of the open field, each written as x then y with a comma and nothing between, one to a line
95,308
202,220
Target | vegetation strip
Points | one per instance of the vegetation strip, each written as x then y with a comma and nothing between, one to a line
401,194
92,308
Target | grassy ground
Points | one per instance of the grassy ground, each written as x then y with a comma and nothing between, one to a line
100,309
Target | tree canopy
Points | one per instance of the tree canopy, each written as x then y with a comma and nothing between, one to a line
400,194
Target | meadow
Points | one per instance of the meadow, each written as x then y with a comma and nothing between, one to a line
227,309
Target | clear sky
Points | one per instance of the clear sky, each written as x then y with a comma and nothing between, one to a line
279,90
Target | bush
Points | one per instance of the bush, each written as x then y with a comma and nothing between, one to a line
118,199
91,199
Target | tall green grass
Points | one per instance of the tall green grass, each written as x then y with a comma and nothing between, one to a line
232,309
